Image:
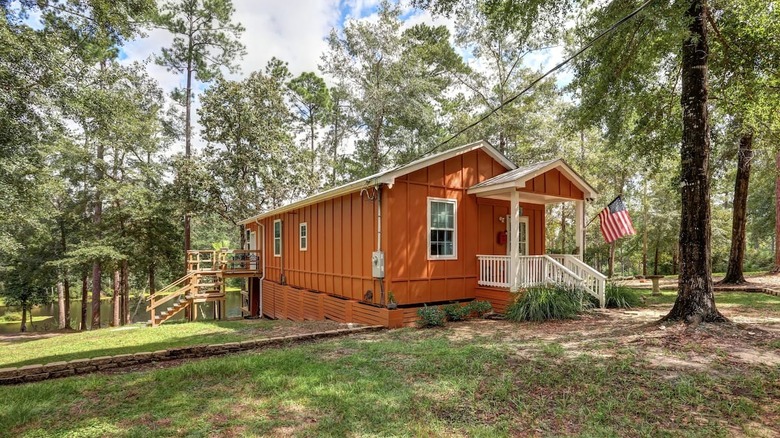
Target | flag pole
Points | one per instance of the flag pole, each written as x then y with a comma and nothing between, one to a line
594,217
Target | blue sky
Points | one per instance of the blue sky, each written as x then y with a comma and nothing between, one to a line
294,31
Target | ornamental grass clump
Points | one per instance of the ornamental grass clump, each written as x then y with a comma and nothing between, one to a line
546,302
619,296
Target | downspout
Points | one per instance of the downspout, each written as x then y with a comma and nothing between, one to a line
262,275
378,188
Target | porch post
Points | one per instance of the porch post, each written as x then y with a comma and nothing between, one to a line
579,218
514,252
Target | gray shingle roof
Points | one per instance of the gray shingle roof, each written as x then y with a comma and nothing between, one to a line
515,174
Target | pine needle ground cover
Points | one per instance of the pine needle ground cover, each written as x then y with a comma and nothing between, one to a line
610,373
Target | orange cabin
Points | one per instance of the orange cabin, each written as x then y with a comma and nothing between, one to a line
437,230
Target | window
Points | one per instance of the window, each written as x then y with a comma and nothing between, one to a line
303,236
278,238
442,227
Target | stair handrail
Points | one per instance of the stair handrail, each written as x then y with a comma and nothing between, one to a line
599,279
563,268
168,293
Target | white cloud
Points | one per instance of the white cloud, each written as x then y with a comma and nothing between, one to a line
293,31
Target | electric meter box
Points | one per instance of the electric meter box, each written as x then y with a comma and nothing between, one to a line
378,264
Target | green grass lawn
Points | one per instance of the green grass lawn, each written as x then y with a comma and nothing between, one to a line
13,319
468,379
402,383
130,339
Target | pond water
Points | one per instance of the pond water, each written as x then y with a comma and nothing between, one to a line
51,313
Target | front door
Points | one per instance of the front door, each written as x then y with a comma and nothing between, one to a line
523,244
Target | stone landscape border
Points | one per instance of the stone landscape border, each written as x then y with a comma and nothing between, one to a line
54,370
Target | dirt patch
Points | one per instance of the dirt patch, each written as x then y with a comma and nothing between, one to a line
663,346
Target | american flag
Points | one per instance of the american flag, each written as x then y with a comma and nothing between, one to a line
615,222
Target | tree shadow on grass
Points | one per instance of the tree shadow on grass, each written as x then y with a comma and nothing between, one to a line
237,332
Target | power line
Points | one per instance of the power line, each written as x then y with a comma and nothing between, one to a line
540,78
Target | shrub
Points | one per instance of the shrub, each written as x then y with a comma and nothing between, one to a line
554,301
456,312
621,296
431,317
11,317
479,308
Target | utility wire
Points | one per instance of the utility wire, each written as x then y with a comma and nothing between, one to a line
540,78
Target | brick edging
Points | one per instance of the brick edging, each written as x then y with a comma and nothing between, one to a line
54,370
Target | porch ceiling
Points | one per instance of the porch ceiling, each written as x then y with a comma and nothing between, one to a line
531,198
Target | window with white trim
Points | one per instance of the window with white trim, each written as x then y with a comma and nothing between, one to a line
442,229
303,236
278,238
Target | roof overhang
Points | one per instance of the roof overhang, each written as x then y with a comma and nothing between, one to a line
503,184
387,177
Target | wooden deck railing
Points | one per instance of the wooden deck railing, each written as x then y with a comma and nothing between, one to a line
231,260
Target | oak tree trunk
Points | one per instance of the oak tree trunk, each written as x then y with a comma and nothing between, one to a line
734,274
23,327
695,299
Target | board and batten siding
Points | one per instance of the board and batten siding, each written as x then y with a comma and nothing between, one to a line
411,277
342,234
490,210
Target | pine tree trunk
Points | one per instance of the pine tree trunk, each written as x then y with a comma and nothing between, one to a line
655,259
61,304
84,299
116,301
776,268
563,229
695,299
96,292
66,284
734,274
188,142
124,287
611,261
152,286
644,232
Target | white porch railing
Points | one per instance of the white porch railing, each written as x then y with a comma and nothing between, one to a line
495,271
594,282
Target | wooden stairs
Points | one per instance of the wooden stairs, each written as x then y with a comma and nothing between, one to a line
184,294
